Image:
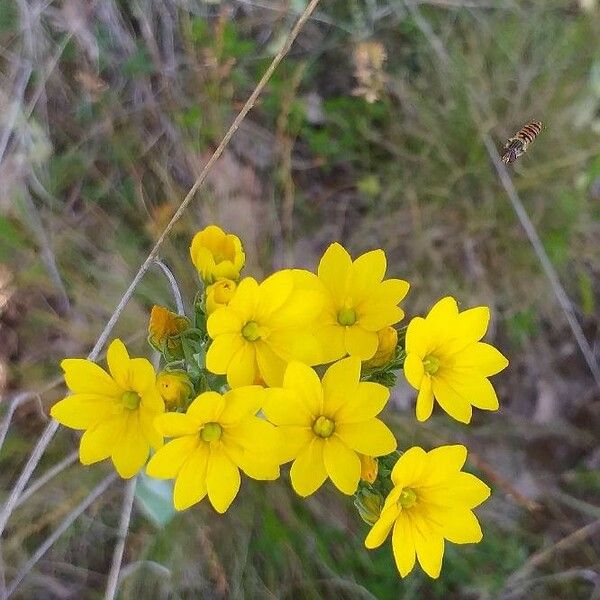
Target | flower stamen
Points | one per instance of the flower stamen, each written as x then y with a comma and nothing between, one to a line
346,316
251,331
407,498
131,400
431,364
211,432
323,427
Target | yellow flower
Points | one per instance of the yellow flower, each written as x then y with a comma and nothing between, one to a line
217,254
327,425
214,439
359,303
117,411
262,329
446,360
164,327
368,468
219,294
174,387
386,348
432,500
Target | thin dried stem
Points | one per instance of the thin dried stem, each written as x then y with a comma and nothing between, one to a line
115,567
547,266
51,539
173,283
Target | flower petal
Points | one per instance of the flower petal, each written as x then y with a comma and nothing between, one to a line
206,407
332,339
167,461
429,546
224,321
453,403
360,342
418,337
414,370
308,470
461,527
424,406
151,433
334,270
190,485
381,528
244,300
466,490
83,411
97,443
117,358
271,366
473,323
444,462
366,402
342,465
373,316
295,439
142,376
403,545
340,382
273,292
287,407
176,424
302,307
131,450
306,382
241,403
85,377
409,467
482,358
242,370
222,350
371,437
366,274
222,479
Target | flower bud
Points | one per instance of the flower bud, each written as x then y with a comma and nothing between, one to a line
219,294
174,387
386,347
369,504
368,468
217,254
164,329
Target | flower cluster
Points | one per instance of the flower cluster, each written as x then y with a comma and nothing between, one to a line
296,370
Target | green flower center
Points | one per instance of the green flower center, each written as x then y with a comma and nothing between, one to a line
211,432
323,427
407,498
251,331
431,364
131,400
346,316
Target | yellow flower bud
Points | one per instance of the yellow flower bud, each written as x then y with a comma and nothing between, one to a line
386,347
368,468
219,294
174,387
164,326
217,254
369,504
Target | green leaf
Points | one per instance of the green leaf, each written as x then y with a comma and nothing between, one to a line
155,498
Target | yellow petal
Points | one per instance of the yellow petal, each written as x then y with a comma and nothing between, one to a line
190,485
224,321
332,342
429,546
221,352
366,274
403,545
301,307
381,528
97,443
371,437
366,402
360,342
83,411
149,430
271,366
167,461
306,382
443,314
475,389
481,358
117,358
373,316
206,408
176,424
409,467
454,404
85,377
473,323
295,440
466,490
413,370
273,292
418,337
308,470
242,370
461,527
258,467
341,464
340,383
131,450
222,479
241,403
424,406
334,270
245,299
444,462
254,434
303,345
142,376
287,407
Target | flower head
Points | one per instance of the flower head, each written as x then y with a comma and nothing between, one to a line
217,254
358,302
116,411
263,327
327,424
432,501
164,328
213,440
386,348
174,387
446,360
219,294
369,468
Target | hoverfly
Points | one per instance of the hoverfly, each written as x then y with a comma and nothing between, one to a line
519,142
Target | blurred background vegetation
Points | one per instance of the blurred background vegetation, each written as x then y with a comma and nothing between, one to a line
369,133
